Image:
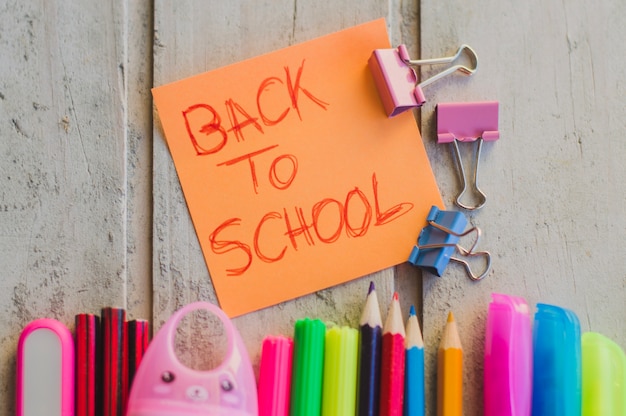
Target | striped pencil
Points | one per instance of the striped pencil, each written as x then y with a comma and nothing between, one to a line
414,370
450,371
392,362
114,382
138,331
88,396
371,331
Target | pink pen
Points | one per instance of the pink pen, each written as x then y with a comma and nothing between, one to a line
275,376
508,357
45,370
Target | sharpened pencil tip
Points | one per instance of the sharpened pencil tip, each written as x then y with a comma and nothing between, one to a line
372,287
450,317
395,296
412,310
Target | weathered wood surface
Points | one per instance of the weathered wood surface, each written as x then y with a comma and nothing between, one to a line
556,212
91,212
75,139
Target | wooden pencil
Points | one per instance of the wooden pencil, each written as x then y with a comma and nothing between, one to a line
371,331
392,362
88,396
114,367
450,371
414,368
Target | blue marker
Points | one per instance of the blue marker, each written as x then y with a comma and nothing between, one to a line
557,381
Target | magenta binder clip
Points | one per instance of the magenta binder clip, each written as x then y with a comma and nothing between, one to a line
468,122
163,386
438,241
396,80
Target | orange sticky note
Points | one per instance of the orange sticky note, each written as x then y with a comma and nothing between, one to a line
295,178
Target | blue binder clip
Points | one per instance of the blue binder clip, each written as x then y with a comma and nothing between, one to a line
438,241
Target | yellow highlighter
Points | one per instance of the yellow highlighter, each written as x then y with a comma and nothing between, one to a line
340,371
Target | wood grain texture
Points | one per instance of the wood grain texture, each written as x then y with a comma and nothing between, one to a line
72,121
555,215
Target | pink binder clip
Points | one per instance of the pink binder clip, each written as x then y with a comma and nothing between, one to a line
396,80
468,122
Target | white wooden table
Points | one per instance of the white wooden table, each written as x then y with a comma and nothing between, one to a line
91,212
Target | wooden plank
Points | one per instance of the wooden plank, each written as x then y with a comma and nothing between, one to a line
556,213
65,121
192,37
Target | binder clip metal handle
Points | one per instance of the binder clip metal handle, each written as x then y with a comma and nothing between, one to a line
396,80
468,122
438,241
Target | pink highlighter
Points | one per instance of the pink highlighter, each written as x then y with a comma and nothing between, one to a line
275,376
45,370
163,386
508,357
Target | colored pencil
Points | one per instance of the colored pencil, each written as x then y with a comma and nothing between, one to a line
138,331
275,376
341,352
308,367
392,362
450,371
414,369
371,331
114,367
88,371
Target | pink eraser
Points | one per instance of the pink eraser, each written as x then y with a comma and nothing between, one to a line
395,81
45,369
275,376
508,357
467,121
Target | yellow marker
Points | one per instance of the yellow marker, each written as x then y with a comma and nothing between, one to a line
340,371
450,372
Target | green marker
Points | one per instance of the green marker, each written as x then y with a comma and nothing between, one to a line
340,371
308,367
603,376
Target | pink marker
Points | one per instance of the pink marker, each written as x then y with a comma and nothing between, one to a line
45,370
275,376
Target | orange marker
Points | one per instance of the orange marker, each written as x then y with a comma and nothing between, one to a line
392,362
450,372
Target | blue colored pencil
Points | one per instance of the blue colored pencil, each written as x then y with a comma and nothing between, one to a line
414,373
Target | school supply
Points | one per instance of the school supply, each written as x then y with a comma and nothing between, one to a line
45,370
114,361
371,328
163,386
414,401
88,355
308,367
450,371
603,376
341,351
392,361
467,123
274,389
556,362
397,81
438,241
508,357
